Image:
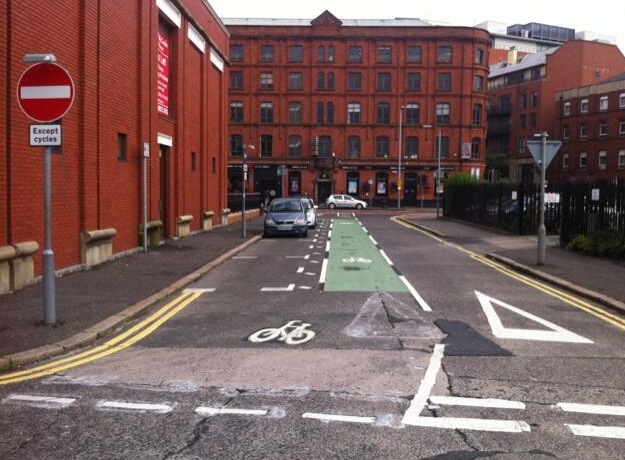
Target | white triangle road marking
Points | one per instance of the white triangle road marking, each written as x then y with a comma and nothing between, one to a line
554,334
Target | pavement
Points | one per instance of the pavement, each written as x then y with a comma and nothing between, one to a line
93,303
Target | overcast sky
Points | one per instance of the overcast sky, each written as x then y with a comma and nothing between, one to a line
601,16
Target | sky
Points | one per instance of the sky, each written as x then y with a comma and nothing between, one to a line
600,16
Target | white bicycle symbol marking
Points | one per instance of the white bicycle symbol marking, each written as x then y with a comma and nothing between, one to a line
294,332
356,260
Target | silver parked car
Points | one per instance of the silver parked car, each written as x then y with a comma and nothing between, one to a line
344,201
286,216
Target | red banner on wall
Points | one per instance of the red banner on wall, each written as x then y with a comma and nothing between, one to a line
162,85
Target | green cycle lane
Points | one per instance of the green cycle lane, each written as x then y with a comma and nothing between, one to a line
355,262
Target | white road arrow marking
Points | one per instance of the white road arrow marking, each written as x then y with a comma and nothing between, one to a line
554,334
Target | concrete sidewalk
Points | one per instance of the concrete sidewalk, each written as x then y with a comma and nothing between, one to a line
93,302
598,279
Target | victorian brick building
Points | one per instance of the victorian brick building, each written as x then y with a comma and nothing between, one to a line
339,106
150,104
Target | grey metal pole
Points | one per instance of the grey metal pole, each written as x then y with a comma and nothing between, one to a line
542,232
49,308
438,174
243,180
399,184
145,203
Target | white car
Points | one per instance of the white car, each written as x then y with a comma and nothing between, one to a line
344,201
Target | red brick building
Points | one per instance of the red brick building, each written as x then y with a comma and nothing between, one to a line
522,97
150,78
591,125
323,101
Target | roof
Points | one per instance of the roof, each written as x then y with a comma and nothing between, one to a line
619,77
527,62
397,22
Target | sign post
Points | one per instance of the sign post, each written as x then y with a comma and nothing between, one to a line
45,93
543,152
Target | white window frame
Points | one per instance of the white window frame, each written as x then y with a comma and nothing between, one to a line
583,131
603,160
621,128
621,100
567,109
603,104
565,161
621,159
603,129
583,106
583,160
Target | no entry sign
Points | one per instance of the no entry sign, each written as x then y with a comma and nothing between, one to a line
45,92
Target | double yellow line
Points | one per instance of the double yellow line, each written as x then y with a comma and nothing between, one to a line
567,298
115,345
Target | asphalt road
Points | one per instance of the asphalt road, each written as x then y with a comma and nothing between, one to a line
366,340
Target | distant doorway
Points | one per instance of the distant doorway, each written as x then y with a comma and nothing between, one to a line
163,153
410,190
324,190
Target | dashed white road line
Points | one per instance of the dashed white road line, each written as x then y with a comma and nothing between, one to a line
415,295
209,411
289,288
616,432
338,418
454,423
141,407
491,403
39,401
592,409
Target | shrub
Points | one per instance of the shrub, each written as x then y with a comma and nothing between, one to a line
601,244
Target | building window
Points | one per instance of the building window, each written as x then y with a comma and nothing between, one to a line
193,162
296,80
320,112
266,112
522,121
236,112
384,81
477,115
236,79
621,101
382,146
478,83
412,147
476,148
324,147
565,161
236,145
122,147
413,81
331,81
266,145
331,53
566,132
621,159
583,106
296,53
583,160
321,54
442,146
603,160
353,113
330,113
523,101
295,113
413,54
353,147
383,113
236,53
295,146
353,181
567,109
534,99
354,54
354,81
522,144
442,114
295,182
603,129
413,114
321,80
443,55
603,103
443,82
480,56
583,131
621,128
385,54
266,53
266,80
533,122
381,184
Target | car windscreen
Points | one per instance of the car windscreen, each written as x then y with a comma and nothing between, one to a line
286,206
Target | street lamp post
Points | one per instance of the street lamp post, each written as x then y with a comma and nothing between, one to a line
243,187
438,173
401,119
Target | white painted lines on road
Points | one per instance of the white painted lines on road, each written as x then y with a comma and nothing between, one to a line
139,407
491,403
592,409
614,432
210,411
300,269
455,423
554,333
415,295
200,290
288,288
46,402
338,418
244,257
427,383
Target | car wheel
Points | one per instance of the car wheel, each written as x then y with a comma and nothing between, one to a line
358,206
332,206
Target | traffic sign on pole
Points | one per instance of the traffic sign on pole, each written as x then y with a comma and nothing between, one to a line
551,148
45,92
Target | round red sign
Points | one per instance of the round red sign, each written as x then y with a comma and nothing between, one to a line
45,92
